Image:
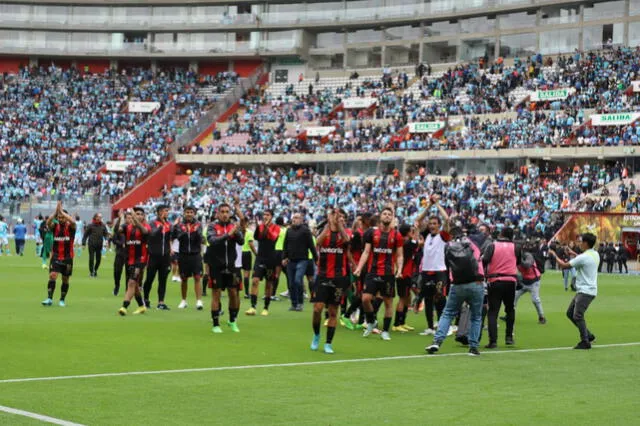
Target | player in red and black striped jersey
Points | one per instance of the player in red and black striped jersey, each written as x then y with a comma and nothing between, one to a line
360,226
64,230
383,258
332,281
410,249
264,266
135,231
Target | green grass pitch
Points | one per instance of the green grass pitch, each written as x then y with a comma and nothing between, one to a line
513,387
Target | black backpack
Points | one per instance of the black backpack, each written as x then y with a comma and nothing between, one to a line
462,263
527,260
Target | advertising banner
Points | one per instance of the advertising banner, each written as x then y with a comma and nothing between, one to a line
118,166
426,127
617,119
358,103
146,107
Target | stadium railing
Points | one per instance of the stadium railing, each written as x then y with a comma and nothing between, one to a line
220,107
564,152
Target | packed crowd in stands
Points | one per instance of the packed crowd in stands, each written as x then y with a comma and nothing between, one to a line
58,123
58,127
600,81
531,197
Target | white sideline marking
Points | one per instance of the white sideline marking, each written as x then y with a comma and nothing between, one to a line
37,416
294,364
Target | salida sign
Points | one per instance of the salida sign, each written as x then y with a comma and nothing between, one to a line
618,119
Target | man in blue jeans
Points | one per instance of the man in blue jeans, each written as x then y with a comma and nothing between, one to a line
297,244
460,292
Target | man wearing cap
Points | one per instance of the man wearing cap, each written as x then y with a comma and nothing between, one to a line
159,242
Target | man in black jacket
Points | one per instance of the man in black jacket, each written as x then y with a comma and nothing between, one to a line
119,259
610,255
223,237
601,253
95,234
188,232
295,257
159,243
621,256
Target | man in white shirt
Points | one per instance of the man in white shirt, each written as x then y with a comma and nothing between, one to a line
433,267
586,266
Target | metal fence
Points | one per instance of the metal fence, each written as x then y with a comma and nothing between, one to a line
85,207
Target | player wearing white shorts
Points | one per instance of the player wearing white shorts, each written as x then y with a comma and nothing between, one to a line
4,237
77,242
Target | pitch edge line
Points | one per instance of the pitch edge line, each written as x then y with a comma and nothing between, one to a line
295,364
37,416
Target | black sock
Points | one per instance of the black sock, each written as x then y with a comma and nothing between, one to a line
64,290
215,316
386,323
316,328
343,306
51,287
404,314
267,302
254,301
376,305
370,317
233,314
246,285
326,314
126,304
398,318
355,304
274,292
330,332
139,300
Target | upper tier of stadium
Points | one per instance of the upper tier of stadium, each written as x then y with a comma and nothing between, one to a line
354,34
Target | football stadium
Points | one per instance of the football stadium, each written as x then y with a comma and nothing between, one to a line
258,212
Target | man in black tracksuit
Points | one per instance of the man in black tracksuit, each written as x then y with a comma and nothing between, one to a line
188,232
95,233
223,236
120,258
159,243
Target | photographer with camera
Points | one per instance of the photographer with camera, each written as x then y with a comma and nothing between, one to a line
586,266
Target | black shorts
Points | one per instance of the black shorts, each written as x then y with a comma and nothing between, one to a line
224,279
440,278
311,269
264,270
404,286
385,285
190,265
330,291
135,272
246,260
63,267
174,258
